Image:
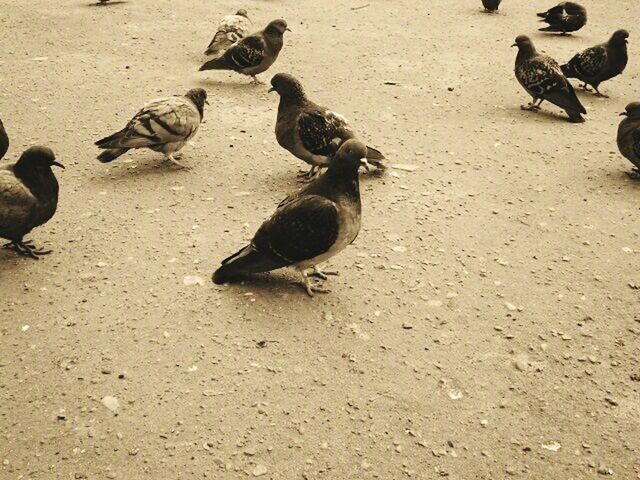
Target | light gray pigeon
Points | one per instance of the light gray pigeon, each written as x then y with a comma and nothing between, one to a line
600,63
309,227
164,125
231,29
307,130
542,78
629,136
253,54
28,198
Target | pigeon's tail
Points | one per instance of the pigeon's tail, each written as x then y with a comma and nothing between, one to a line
575,117
542,14
218,63
111,154
551,28
568,70
244,262
218,45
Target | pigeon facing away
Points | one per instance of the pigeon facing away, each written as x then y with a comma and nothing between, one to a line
307,130
542,78
564,17
600,63
308,227
253,54
28,198
164,125
4,140
231,29
629,136
491,5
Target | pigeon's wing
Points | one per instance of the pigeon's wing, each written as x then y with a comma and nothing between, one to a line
635,140
590,62
556,15
317,127
246,53
4,140
231,29
17,203
161,121
301,230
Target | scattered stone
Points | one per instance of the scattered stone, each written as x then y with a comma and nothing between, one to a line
553,447
191,280
407,326
259,470
611,401
111,403
604,470
405,167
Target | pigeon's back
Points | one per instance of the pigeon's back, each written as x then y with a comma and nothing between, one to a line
17,205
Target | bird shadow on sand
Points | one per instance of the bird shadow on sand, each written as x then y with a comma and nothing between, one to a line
230,86
273,283
569,37
545,115
619,179
148,168
108,4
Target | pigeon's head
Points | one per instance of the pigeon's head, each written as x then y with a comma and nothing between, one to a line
351,155
632,110
286,85
619,37
277,28
522,41
243,13
199,97
38,158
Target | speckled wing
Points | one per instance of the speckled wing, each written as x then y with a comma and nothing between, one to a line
161,121
590,62
300,230
231,29
17,205
248,52
317,128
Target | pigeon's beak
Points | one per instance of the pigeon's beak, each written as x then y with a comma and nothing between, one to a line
364,163
287,29
206,101
623,114
514,45
271,90
57,164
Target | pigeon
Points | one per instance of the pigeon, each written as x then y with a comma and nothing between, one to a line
4,141
253,54
600,63
231,29
306,129
629,136
28,198
491,5
163,125
564,18
308,227
542,78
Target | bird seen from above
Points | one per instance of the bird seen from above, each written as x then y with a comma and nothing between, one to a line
542,78
252,54
600,63
629,136
231,29
307,130
308,227
163,125
564,18
28,198
4,141
491,5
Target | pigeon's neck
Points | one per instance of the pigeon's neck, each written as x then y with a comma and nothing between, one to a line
294,97
199,106
344,180
617,49
525,52
40,181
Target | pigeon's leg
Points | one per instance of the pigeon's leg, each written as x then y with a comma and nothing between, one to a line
310,175
634,174
26,249
321,274
533,106
311,289
256,81
585,87
599,94
173,160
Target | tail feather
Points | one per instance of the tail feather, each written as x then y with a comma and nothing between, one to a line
111,154
575,117
218,63
110,141
246,261
568,70
542,14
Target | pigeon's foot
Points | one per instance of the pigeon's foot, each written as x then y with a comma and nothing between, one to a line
634,174
256,81
321,274
310,175
26,249
600,94
311,289
585,87
172,159
531,107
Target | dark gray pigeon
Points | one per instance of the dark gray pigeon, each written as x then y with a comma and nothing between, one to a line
308,227
28,198
491,5
253,54
231,29
629,136
600,63
164,125
4,141
564,18
542,78
307,130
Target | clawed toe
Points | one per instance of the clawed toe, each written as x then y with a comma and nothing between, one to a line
27,249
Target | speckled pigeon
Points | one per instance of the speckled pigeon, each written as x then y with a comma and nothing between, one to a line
564,18
629,136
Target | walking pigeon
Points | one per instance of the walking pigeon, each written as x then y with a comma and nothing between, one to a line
253,54
4,141
308,227
306,129
164,125
231,29
564,18
491,5
629,136
600,63
28,198
542,78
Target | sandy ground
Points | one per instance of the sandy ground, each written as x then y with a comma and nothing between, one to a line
485,324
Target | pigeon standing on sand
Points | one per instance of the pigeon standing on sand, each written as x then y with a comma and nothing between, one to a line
231,29
164,125
600,63
28,198
307,228
564,18
4,140
253,54
542,78
307,130
491,5
629,136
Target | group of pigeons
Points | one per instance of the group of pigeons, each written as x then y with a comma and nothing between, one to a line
324,217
